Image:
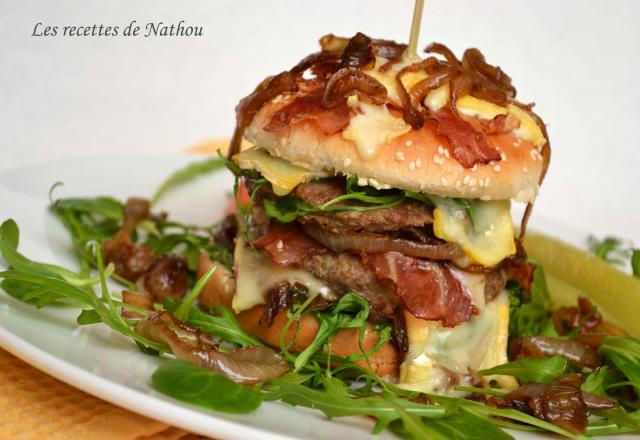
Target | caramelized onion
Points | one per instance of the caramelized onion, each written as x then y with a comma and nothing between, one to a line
349,80
575,352
249,365
358,53
167,278
561,403
384,48
377,243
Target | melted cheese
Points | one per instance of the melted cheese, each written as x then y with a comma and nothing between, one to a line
283,175
528,130
437,98
479,108
256,274
373,128
388,78
487,240
436,352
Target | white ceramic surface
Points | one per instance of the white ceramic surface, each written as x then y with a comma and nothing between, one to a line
102,362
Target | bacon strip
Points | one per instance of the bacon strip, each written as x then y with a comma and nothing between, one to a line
428,289
288,245
330,121
466,144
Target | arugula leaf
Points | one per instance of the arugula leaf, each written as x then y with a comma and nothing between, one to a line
185,307
610,249
350,312
189,383
531,370
597,381
186,174
219,322
635,262
620,417
617,424
87,317
44,284
466,426
624,353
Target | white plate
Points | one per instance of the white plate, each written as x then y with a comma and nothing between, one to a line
96,359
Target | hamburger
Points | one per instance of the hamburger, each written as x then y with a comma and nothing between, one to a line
376,172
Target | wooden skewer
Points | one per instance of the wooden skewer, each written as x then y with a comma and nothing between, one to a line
412,50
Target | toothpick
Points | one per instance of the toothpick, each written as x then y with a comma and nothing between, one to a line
412,50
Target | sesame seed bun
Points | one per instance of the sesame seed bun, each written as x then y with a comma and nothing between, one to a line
417,161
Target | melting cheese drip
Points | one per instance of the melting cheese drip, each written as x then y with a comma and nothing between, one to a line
487,240
438,354
255,274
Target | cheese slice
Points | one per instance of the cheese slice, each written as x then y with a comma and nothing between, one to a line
436,352
487,240
528,130
256,274
283,175
471,106
372,128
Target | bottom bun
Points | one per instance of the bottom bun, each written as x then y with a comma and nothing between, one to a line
219,292
383,362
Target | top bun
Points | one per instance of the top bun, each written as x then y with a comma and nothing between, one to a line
417,161
368,108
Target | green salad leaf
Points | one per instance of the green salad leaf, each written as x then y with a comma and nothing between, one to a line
189,383
351,311
635,262
45,284
598,381
531,370
624,353
529,316
220,322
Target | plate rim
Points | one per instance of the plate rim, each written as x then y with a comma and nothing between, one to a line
128,398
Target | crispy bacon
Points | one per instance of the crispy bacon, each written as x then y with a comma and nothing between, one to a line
501,124
288,245
330,121
466,144
428,289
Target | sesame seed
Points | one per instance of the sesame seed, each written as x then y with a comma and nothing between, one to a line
443,181
535,155
446,153
485,198
412,165
440,150
481,183
497,168
474,168
466,180
399,156
472,182
283,142
279,245
418,163
503,156
525,169
438,159
409,143
487,181
363,181
347,162
458,184
473,189
305,126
